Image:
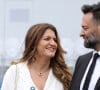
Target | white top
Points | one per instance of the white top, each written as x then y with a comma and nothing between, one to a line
24,79
95,75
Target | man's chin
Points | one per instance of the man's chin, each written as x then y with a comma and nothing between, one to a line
88,45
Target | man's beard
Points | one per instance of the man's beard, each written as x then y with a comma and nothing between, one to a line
91,42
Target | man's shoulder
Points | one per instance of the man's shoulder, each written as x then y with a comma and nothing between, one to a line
85,57
87,54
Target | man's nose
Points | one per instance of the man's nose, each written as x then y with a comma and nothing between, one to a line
82,33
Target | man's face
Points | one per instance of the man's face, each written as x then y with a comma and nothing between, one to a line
90,32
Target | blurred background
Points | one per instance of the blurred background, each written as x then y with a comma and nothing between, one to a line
16,16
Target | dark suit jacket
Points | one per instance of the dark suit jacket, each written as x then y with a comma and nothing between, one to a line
79,71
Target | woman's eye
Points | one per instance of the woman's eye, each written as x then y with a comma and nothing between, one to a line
49,38
55,39
46,38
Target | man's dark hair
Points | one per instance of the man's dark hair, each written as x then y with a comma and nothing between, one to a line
94,9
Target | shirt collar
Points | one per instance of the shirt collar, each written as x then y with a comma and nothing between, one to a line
96,52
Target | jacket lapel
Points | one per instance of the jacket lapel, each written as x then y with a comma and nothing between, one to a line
80,69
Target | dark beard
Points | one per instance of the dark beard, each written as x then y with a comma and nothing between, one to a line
90,45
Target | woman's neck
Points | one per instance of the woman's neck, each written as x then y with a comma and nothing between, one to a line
41,65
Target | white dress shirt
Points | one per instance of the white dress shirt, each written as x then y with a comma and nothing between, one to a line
95,75
24,79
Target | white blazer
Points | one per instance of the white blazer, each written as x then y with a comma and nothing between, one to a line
24,81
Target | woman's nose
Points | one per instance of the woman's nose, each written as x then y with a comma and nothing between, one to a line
52,42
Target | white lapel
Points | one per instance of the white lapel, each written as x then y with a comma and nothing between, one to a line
53,83
25,81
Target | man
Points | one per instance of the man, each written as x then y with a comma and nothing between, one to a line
82,80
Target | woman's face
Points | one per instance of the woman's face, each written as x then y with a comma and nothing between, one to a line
47,45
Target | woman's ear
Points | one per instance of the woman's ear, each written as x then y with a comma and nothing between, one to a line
99,27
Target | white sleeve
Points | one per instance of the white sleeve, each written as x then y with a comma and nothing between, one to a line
9,79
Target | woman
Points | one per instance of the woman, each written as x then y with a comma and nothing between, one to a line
42,66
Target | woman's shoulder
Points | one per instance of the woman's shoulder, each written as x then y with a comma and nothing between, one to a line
21,65
14,66
10,72
11,68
